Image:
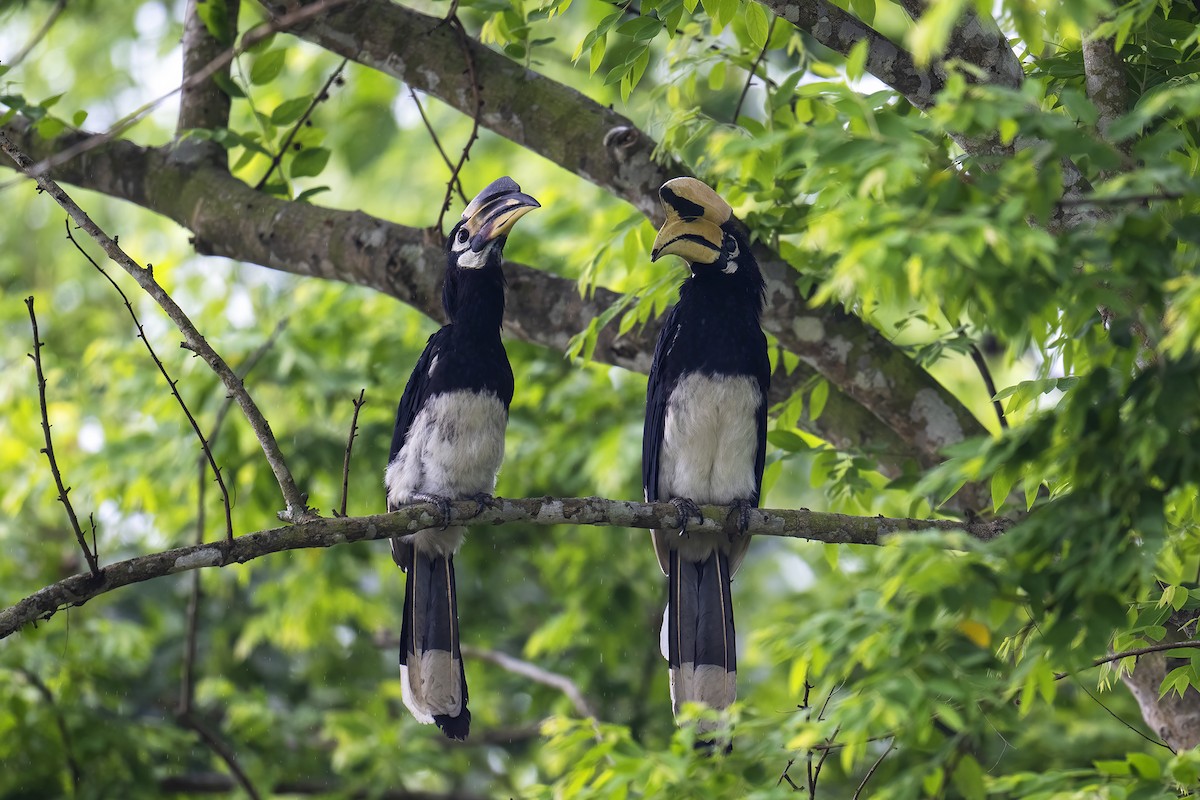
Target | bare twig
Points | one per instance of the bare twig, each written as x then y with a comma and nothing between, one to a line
737,109
171,384
63,490
222,751
1140,651
457,25
297,508
187,688
871,771
350,444
318,98
328,532
39,35
60,721
986,373
536,674
437,142
248,40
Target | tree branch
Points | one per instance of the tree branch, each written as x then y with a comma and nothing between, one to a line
358,404
222,751
978,41
1107,88
63,490
296,507
327,532
38,36
536,674
229,219
202,104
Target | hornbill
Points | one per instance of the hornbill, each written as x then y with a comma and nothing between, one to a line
448,443
704,439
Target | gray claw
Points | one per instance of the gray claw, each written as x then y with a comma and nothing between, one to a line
484,500
687,509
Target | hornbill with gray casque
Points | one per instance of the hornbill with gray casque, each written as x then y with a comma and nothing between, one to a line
704,440
448,444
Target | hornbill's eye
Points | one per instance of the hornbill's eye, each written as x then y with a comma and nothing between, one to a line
462,235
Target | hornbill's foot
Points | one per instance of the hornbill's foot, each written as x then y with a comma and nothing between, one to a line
687,509
742,509
442,502
483,500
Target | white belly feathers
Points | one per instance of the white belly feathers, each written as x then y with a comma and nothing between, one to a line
454,448
710,439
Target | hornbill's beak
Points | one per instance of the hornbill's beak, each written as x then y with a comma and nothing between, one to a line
695,214
495,210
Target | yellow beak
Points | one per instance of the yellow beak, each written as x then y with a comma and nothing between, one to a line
495,210
697,241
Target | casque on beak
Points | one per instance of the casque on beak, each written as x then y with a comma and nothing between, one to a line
695,214
495,210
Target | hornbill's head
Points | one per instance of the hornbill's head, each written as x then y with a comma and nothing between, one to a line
700,229
486,222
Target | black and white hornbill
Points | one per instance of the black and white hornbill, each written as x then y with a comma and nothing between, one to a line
705,434
448,444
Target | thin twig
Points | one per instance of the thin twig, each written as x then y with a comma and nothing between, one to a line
437,142
320,97
222,750
63,490
1140,651
187,687
871,771
297,508
171,384
536,674
60,721
248,40
349,444
986,373
737,110
37,37
463,39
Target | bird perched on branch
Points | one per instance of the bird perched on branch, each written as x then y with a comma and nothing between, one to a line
448,444
705,434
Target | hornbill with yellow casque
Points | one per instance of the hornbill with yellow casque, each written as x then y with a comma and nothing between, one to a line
448,444
704,439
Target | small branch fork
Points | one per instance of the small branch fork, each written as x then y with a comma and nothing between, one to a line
327,532
171,384
358,404
297,509
88,553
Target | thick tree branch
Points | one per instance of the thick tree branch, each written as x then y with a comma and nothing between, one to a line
229,219
296,507
977,40
1104,73
202,104
327,532
840,30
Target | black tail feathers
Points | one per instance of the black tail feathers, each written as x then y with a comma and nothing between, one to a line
434,683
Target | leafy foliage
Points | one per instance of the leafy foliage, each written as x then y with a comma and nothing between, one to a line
934,666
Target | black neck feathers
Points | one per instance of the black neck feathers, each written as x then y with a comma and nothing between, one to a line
474,298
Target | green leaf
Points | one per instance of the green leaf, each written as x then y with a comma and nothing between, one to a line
216,18
968,779
817,399
78,118
268,66
309,163
228,85
307,193
289,111
787,440
757,25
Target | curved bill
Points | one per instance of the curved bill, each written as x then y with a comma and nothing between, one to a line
495,210
697,241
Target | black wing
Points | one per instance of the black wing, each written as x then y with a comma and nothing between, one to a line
762,373
415,392
663,376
